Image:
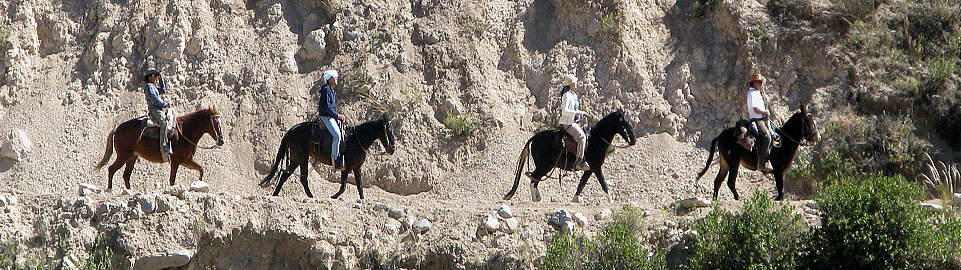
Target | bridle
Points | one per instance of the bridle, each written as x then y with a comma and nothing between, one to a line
371,153
803,141
217,132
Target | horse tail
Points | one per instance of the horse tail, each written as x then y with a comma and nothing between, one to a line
106,153
710,157
520,168
281,154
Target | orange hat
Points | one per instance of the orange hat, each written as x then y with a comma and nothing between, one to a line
756,78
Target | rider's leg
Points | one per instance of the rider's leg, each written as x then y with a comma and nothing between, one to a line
763,146
334,130
578,134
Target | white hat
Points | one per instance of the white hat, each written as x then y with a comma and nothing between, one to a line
569,79
330,74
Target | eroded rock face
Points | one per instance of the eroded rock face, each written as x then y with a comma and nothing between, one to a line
16,146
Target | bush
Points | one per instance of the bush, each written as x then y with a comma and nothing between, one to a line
875,223
460,125
616,247
878,143
765,235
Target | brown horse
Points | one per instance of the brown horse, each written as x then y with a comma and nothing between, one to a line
130,143
797,131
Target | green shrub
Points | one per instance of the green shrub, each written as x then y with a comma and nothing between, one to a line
617,246
460,125
764,235
611,24
875,223
877,143
856,10
701,8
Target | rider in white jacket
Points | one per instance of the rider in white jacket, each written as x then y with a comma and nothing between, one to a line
570,116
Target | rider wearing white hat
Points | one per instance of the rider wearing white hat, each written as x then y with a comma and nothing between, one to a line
329,116
570,116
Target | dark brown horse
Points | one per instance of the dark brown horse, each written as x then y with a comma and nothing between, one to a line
547,151
296,147
130,143
795,132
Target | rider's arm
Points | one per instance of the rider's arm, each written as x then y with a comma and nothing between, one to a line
153,97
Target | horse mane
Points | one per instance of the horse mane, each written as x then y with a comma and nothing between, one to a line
208,112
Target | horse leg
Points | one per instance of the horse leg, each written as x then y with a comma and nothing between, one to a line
127,171
600,178
303,179
191,164
580,186
535,193
731,180
360,188
779,183
113,168
283,177
174,166
343,184
721,173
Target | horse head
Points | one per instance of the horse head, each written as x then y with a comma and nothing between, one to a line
388,139
809,130
215,130
626,129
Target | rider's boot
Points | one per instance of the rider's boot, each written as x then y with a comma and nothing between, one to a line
339,163
582,165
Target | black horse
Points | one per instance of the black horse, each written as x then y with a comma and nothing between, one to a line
799,129
296,146
549,153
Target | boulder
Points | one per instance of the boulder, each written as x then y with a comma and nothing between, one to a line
561,220
3,201
933,207
580,219
315,46
421,226
148,204
505,211
163,260
397,213
12,200
489,225
694,203
381,207
16,146
176,191
88,189
199,186
509,226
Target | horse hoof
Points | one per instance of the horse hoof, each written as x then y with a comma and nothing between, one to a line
577,199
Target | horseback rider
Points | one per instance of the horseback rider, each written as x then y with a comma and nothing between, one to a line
570,118
157,108
760,117
329,116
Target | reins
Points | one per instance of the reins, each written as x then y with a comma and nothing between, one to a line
180,132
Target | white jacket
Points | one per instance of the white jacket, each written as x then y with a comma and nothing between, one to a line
569,109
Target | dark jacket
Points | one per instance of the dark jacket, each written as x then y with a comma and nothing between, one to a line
152,95
328,102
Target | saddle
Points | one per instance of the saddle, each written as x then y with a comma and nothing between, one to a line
321,138
746,134
151,130
567,140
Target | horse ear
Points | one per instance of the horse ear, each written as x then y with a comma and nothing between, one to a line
804,110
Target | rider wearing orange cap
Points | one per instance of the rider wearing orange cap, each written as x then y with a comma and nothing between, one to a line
759,116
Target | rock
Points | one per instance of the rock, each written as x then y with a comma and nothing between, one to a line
561,220
933,207
199,186
694,203
369,235
391,228
315,46
646,213
957,197
381,207
148,204
490,224
16,146
358,206
105,210
505,211
3,201
604,215
812,205
580,219
12,200
176,191
509,226
163,260
88,189
162,204
421,226
397,213
85,211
